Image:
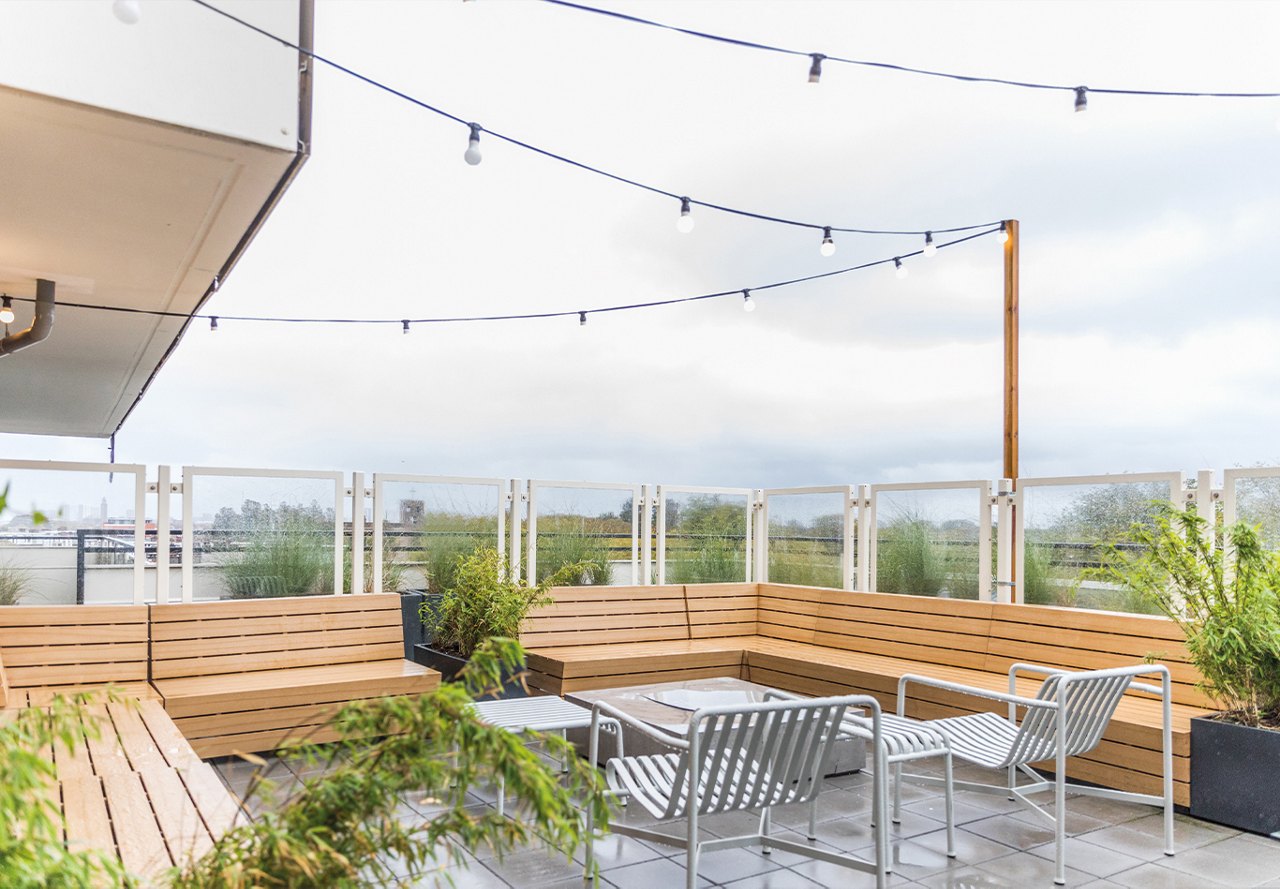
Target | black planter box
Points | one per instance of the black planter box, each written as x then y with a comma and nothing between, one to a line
449,665
1234,779
414,631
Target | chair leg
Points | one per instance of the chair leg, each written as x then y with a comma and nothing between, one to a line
897,793
1060,827
813,818
691,852
949,790
766,825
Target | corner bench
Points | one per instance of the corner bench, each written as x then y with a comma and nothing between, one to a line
815,641
138,791
257,674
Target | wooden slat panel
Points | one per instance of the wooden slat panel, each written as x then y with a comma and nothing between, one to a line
279,660
78,674
141,843
4,686
135,737
1140,625
43,696
78,653
318,641
85,810
248,721
172,745
217,806
289,605
105,750
71,634
271,739
240,626
15,616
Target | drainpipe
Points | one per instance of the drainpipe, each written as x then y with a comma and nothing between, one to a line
40,325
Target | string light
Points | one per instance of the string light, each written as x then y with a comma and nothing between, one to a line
899,269
127,11
815,69
748,304
582,319
405,323
551,155
930,248
6,310
1082,99
902,69
472,154
213,324
1004,233
685,222
828,246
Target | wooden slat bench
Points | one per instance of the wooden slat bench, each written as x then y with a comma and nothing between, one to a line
138,791
256,674
819,641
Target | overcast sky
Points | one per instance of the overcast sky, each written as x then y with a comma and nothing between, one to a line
1149,289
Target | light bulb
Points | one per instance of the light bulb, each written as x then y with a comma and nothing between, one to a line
930,248
582,319
685,222
213,324
828,246
1082,98
901,270
6,311
406,326
472,154
815,69
1004,233
748,304
127,11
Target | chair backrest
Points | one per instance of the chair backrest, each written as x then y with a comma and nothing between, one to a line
757,755
1088,701
242,635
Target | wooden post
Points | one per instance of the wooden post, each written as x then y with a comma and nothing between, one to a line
1011,351
1011,387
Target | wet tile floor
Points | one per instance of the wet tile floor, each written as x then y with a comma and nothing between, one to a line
1000,845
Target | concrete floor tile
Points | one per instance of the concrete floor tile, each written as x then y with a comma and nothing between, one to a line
1236,861
1010,831
660,873
1092,859
534,868
1156,876
1032,872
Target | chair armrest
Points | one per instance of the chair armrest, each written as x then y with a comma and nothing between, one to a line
599,708
970,690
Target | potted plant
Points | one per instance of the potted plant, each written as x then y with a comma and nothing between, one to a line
1228,605
482,603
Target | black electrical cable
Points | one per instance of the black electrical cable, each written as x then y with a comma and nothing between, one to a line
653,189
889,66
527,316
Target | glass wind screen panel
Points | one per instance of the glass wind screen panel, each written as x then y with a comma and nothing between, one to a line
1258,503
1068,528
428,526
927,543
806,539
588,527
82,552
257,538
706,537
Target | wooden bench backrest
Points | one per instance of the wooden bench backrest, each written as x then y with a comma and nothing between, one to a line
72,645
1077,639
4,686
591,615
243,635
945,632
719,610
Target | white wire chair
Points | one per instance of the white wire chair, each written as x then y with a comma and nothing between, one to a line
1067,717
735,758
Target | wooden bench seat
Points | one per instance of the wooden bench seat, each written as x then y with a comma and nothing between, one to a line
819,641
252,675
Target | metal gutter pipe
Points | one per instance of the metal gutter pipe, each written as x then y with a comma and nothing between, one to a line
41,325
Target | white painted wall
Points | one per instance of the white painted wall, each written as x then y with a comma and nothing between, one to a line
180,64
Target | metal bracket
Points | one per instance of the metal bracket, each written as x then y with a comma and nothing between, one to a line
175,488
153,487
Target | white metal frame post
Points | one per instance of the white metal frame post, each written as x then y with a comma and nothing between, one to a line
747,493
139,473
357,533
163,491
1004,541
863,564
982,487
646,533
502,487
531,542
516,499
848,531
1230,506
191,473
1175,481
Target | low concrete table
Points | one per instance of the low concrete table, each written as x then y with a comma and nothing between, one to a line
670,705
